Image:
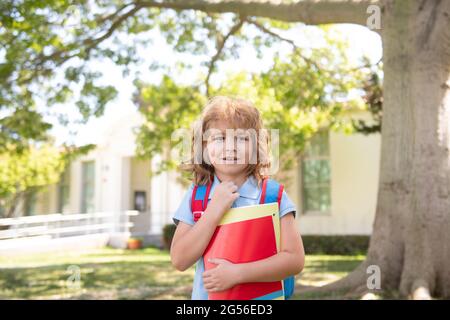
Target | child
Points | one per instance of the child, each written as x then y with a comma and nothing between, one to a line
226,159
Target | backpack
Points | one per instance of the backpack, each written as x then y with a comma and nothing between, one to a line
271,192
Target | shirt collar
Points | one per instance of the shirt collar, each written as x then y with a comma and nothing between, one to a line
249,189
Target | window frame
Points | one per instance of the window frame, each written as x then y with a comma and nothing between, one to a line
304,157
64,182
31,200
84,182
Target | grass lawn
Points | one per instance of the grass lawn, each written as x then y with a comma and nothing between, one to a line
123,274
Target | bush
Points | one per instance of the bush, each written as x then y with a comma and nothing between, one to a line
345,245
168,232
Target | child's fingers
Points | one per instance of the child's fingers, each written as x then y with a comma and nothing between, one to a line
206,274
233,188
207,282
206,277
208,285
209,289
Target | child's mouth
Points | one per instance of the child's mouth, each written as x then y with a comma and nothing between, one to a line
230,159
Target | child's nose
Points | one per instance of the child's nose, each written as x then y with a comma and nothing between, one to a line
230,144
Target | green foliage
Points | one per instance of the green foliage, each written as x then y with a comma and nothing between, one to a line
20,128
346,245
166,108
46,52
31,170
168,232
374,100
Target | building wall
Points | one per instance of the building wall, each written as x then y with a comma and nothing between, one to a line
354,183
140,180
166,196
75,186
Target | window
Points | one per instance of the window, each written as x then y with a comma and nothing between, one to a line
140,200
30,203
88,187
316,175
64,192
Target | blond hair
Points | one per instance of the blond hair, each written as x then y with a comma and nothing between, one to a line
239,114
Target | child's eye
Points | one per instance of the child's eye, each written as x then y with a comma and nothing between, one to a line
242,138
218,138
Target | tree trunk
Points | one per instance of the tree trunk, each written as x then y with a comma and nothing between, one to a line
411,238
411,233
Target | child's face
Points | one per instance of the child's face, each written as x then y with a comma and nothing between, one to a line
229,150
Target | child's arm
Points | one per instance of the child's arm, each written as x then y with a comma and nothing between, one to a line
189,242
289,261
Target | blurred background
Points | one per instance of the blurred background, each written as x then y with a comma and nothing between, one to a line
91,93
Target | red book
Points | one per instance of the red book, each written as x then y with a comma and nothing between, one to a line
247,234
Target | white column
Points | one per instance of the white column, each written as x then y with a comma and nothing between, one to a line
75,186
158,196
125,184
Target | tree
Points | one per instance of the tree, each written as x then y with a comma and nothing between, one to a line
22,174
410,240
26,172
374,100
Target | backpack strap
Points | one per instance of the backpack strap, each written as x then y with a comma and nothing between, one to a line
272,191
199,200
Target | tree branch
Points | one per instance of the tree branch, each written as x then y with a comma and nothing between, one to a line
291,42
297,49
307,11
220,46
91,43
61,56
114,14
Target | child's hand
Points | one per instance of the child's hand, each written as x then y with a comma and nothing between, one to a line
222,277
224,196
